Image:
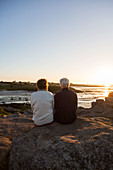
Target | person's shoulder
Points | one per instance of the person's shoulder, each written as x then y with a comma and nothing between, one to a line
58,93
33,96
34,93
72,92
49,93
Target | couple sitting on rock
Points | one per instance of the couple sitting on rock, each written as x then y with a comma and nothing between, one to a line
47,108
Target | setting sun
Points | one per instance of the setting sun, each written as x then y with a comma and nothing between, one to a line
104,76
106,93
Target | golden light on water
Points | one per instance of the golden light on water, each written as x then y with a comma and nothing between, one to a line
106,93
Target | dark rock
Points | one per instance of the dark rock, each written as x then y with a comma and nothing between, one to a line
16,114
28,113
80,110
3,116
87,144
99,104
10,109
108,113
22,120
109,100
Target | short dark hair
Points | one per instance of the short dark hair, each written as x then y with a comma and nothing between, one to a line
42,84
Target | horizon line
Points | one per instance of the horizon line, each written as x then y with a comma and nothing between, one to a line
74,83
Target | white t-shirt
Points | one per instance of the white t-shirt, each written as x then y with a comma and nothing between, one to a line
42,106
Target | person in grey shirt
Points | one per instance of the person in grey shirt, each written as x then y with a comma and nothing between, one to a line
42,104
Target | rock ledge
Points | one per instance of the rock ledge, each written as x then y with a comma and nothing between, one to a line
86,144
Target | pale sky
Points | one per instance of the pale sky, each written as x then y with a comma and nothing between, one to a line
56,38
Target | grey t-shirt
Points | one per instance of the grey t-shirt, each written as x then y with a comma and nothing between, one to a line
42,106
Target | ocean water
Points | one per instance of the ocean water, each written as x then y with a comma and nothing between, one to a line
85,98
18,96
91,94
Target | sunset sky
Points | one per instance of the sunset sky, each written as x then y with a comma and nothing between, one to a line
56,38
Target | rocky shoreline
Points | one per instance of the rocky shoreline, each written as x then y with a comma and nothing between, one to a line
67,144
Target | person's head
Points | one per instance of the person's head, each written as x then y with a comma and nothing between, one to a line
42,84
64,83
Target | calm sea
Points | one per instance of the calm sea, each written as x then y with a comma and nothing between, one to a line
85,98
90,94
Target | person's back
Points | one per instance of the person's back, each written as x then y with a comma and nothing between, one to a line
42,106
65,104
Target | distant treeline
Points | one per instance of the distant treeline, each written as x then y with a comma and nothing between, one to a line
53,87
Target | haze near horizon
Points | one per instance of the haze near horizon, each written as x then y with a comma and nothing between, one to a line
55,39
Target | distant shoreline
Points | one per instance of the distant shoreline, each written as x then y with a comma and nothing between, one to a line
31,87
88,85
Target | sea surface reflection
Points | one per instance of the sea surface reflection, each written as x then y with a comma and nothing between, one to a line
85,98
90,94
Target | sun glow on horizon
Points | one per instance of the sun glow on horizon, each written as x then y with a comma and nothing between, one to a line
104,76
106,93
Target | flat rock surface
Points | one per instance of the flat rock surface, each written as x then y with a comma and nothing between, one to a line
12,126
87,144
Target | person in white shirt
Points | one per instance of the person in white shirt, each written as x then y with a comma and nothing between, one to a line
42,103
